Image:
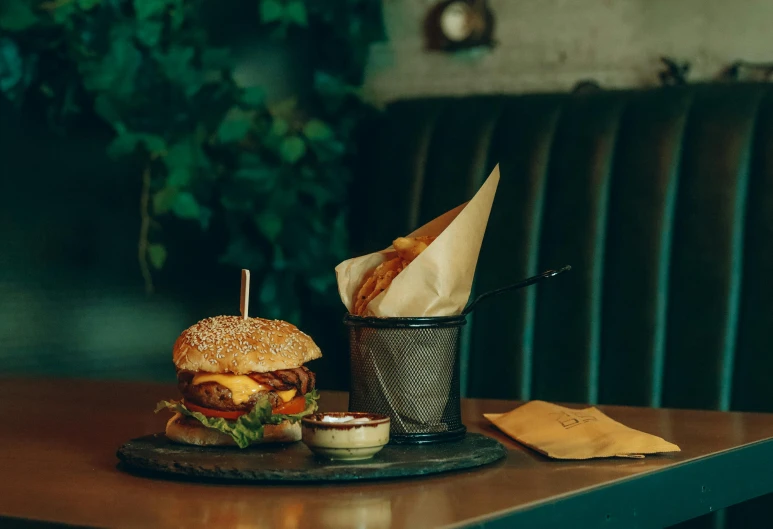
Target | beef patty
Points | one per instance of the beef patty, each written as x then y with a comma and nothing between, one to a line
215,396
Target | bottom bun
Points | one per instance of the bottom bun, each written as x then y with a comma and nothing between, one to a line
192,432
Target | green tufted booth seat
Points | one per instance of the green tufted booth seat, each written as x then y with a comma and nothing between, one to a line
662,202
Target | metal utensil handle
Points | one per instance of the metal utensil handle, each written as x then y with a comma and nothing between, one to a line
525,283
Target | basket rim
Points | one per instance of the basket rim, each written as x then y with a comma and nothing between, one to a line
352,320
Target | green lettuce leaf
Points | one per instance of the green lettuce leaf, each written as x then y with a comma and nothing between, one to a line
249,427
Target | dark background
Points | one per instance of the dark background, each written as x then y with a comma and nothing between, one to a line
72,299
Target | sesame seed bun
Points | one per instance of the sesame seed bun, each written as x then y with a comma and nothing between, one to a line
194,433
230,344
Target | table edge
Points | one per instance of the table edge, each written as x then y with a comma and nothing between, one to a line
704,467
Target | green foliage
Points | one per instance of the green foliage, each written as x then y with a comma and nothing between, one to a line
145,9
295,12
127,144
254,96
316,130
115,73
288,12
186,206
271,10
157,255
235,126
292,149
272,174
13,77
88,4
17,15
163,200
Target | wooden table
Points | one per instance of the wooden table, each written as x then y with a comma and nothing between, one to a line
57,463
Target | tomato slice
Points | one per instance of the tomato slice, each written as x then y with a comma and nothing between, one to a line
296,405
209,412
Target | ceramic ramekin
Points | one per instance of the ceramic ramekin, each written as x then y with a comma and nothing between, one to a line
345,435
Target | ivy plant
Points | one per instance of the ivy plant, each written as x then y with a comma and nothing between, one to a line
276,174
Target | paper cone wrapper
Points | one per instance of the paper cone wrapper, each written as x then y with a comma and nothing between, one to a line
410,374
438,282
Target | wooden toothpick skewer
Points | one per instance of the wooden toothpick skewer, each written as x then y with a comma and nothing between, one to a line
244,302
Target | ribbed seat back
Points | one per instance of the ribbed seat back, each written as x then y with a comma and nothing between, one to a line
662,201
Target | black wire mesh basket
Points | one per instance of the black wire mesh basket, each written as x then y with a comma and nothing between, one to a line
408,369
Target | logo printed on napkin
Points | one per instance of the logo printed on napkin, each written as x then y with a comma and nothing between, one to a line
564,433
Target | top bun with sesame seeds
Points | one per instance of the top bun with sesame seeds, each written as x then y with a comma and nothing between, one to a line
231,344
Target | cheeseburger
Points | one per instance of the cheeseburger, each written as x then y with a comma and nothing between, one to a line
242,381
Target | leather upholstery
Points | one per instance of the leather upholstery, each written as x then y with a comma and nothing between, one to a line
661,200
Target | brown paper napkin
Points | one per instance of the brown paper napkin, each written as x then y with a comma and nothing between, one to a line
564,433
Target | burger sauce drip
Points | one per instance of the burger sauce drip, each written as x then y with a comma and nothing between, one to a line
242,387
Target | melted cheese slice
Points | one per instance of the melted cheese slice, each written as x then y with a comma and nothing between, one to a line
242,387
288,395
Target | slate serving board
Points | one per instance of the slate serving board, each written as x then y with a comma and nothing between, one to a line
295,462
